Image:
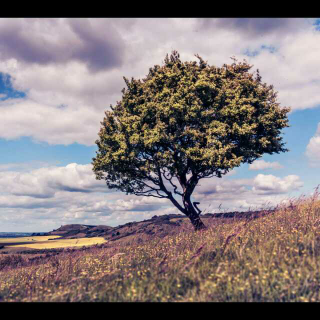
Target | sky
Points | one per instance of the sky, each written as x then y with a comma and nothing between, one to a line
59,75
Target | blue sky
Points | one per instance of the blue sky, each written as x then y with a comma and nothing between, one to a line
56,85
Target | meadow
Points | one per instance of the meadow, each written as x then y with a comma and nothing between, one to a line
275,258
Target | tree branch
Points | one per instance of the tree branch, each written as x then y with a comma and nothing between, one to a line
195,205
176,203
173,185
151,189
170,197
137,193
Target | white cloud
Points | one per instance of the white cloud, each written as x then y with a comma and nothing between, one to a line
210,187
24,166
262,165
269,184
72,69
61,40
49,197
138,204
47,123
45,182
69,194
255,27
313,149
242,194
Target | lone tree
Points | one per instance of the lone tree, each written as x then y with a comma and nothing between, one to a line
184,122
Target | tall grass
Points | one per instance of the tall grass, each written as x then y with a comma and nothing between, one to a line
272,258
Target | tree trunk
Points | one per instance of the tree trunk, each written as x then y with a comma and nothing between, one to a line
196,222
192,214
189,211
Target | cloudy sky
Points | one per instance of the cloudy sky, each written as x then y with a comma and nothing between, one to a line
58,76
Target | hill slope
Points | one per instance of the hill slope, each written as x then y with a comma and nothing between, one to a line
158,226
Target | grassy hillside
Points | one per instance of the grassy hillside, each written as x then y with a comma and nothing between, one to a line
273,258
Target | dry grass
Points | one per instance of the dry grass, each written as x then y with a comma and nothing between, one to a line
273,258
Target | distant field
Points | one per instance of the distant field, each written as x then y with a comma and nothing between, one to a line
3,241
44,242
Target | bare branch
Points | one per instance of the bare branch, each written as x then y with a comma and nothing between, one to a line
173,185
161,184
150,190
195,205
149,195
176,203
170,197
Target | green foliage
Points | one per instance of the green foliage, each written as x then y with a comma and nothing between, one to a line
187,118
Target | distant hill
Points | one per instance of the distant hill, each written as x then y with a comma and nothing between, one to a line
159,226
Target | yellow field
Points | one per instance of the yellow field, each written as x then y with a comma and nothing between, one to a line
43,242
27,239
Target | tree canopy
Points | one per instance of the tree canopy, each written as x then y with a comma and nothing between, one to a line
183,122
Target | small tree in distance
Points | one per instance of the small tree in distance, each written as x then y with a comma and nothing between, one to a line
185,122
